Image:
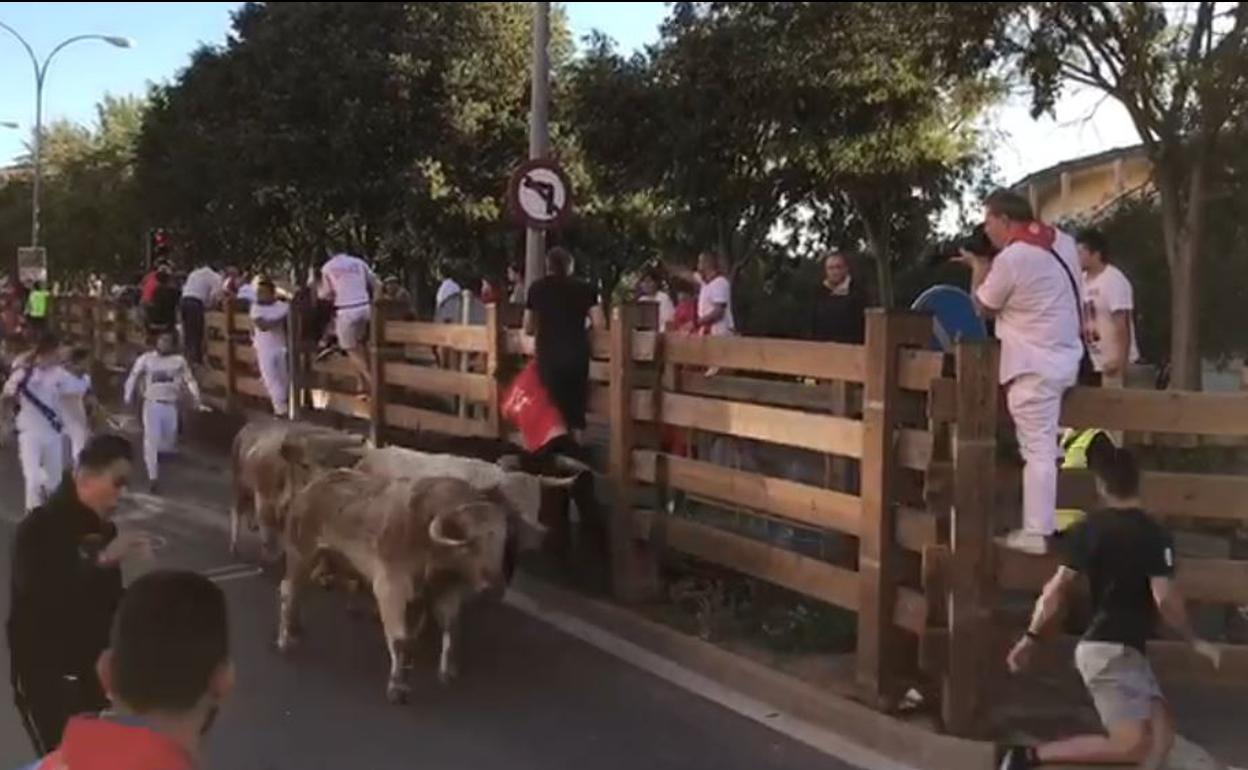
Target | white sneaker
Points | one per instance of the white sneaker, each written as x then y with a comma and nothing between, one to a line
1023,541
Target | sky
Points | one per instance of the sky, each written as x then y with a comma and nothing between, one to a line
165,34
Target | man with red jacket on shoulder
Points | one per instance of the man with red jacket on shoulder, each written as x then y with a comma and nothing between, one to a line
166,673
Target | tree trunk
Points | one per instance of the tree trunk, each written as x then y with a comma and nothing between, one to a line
1182,223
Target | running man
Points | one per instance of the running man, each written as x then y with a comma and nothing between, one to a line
268,320
348,280
1128,559
38,385
164,374
79,404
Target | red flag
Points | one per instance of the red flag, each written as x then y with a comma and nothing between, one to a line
527,405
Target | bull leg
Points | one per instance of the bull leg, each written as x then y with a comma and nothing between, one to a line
297,567
393,594
264,519
447,609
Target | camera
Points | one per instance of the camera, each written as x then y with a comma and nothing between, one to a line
976,242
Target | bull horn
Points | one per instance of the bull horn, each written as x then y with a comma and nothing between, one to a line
571,464
439,538
557,482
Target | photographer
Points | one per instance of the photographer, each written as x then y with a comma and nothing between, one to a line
1032,289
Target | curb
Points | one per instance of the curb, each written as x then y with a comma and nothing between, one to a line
828,723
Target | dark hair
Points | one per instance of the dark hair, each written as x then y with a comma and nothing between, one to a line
104,450
46,343
559,261
1095,240
1115,467
714,257
266,282
163,278
1008,204
170,635
79,354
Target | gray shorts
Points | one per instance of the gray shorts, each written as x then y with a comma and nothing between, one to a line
1120,681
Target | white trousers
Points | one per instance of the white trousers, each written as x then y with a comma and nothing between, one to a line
160,433
42,455
275,372
78,436
1035,404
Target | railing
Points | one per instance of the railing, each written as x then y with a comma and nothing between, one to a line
919,567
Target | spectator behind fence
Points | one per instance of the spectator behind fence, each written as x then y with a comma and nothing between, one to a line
839,310
162,311
515,284
167,670
66,583
1128,559
1032,289
650,289
1108,304
204,287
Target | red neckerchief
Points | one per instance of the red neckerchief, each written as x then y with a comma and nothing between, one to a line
1034,234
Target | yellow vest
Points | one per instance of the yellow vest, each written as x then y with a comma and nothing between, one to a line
37,304
1074,457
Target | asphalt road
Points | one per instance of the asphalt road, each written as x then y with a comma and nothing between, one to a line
528,696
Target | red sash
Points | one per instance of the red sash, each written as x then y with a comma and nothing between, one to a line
528,406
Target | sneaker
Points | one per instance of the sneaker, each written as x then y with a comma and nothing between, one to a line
1023,541
1018,758
154,487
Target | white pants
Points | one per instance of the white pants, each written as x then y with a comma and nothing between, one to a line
42,454
78,436
350,325
160,433
1035,404
275,372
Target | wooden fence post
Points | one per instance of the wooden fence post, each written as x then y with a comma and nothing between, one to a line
972,574
634,571
879,640
377,374
496,346
231,358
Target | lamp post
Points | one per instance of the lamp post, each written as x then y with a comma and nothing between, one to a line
539,133
41,72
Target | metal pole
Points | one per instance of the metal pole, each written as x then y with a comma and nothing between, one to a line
539,133
38,176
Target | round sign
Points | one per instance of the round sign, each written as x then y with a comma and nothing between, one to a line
539,194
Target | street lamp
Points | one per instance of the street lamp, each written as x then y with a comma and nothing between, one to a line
8,124
41,71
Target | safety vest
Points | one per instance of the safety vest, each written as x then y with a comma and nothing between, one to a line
37,304
1074,457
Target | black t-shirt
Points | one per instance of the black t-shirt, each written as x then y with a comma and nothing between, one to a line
1119,551
839,317
561,305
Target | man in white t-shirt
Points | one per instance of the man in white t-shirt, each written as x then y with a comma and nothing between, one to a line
163,375
348,280
650,289
203,288
1032,288
448,289
268,336
1108,304
714,295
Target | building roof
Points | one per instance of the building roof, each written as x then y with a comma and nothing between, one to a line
1054,173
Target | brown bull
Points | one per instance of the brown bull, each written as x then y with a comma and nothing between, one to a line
436,540
262,477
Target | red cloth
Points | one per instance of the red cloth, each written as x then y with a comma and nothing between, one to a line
105,744
147,289
527,405
1035,234
685,319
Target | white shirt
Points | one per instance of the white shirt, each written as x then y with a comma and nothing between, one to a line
51,386
203,284
247,292
1106,294
348,278
273,339
73,405
1037,314
447,289
666,309
163,378
717,291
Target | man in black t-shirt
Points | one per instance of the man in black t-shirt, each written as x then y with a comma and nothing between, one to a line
1128,559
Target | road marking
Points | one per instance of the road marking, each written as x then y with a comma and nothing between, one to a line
819,738
230,572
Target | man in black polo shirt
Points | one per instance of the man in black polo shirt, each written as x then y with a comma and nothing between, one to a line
1128,559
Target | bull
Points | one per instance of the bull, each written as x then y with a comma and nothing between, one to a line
263,482
439,541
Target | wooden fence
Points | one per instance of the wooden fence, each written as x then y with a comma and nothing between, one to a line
921,568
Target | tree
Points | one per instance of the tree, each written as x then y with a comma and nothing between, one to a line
1181,72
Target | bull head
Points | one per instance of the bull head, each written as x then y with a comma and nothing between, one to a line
445,531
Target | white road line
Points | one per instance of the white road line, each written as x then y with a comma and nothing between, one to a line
232,572
812,735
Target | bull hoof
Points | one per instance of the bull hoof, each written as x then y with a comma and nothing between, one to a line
448,675
398,692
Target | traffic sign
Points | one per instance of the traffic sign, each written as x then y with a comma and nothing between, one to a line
32,264
539,194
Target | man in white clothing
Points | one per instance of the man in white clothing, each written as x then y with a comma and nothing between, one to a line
77,405
164,375
1032,288
349,280
203,288
268,336
1108,305
38,385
